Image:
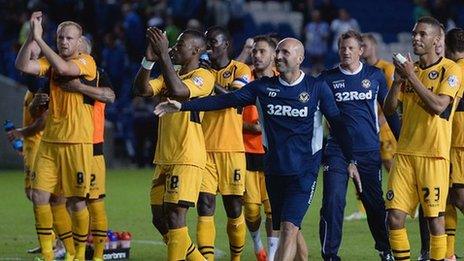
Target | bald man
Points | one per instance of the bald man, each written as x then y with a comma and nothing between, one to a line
293,104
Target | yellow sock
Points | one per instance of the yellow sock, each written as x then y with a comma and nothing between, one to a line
450,228
179,243
206,234
63,226
80,220
361,208
236,230
437,247
98,227
399,244
43,225
192,252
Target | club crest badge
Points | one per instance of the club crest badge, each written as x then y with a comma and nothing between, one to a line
303,97
366,83
433,75
226,74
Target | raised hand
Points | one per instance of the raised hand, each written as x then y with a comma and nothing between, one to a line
36,25
168,106
158,41
149,53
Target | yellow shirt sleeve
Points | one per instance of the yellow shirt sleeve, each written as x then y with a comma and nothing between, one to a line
242,76
451,81
86,65
44,66
157,85
389,72
200,83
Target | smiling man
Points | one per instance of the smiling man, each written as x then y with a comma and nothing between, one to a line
292,105
425,91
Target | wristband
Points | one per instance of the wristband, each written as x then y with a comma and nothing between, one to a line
147,64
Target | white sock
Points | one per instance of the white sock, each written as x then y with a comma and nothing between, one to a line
272,244
257,244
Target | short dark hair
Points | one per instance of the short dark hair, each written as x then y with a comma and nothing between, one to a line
220,30
266,38
197,35
431,21
454,40
350,34
369,37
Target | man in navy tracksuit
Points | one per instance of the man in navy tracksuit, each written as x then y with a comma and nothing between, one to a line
357,88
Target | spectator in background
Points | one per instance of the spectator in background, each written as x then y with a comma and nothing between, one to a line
328,10
194,24
442,10
145,129
114,60
219,12
420,9
172,30
135,40
343,23
316,33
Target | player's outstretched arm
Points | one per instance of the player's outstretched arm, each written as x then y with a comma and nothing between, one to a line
242,97
168,106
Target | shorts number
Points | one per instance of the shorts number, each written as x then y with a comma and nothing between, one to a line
174,182
80,178
237,176
427,194
93,178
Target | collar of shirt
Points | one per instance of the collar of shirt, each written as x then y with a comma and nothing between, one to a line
346,72
284,83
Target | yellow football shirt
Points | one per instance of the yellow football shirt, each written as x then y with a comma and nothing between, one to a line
458,121
180,137
423,133
32,140
388,70
223,128
70,113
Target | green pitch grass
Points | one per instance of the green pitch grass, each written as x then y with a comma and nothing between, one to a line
128,210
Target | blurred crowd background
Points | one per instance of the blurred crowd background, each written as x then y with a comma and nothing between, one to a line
117,30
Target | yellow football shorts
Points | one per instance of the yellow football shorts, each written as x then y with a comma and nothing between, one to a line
29,154
255,187
225,173
178,184
63,167
457,167
387,142
97,177
414,180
